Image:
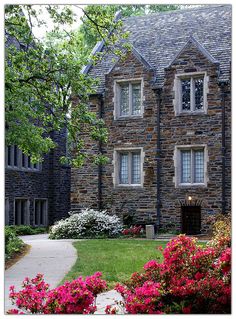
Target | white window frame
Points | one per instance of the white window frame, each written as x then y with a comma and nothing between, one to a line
116,163
27,217
116,99
19,166
45,212
178,93
178,167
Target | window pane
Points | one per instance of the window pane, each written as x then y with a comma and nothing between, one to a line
136,168
185,85
23,160
15,155
124,169
23,212
9,162
186,166
124,100
198,94
36,213
199,166
136,99
29,162
17,212
42,213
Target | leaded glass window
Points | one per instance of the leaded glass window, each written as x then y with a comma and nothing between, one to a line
136,99
129,101
192,93
185,95
192,166
186,166
198,93
198,166
130,168
124,179
135,168
124,100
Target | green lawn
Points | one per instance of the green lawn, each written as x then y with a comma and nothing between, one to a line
117,259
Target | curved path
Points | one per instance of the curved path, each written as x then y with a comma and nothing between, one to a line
53,258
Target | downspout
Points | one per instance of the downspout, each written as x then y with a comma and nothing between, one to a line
223,149
158,92
100,114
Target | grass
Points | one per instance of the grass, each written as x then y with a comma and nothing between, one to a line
117,259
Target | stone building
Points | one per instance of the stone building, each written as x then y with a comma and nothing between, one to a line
167,107
36,194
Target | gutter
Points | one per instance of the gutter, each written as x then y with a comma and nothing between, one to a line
158,92
100,114
223,85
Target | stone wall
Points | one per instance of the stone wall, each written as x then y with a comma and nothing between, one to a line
193,129
123,133
51,183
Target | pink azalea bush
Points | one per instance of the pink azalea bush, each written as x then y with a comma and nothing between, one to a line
77,296
191,279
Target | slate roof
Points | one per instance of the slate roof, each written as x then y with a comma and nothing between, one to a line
159,37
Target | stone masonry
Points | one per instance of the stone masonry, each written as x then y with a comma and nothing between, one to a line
162,50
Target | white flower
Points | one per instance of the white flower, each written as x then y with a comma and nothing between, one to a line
88,223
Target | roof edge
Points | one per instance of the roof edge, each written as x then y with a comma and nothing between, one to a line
99,46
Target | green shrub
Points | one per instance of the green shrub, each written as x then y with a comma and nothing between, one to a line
28,230
13,244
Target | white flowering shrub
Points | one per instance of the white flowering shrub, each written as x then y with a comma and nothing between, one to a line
87,224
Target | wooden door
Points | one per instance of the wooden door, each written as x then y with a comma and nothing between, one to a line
191,220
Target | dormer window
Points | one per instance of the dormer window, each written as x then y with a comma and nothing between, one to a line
191,93
128,99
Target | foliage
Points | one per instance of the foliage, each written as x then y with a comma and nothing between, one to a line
27,230
77,296
42,79
133,231
91,36
191,279
221,227
87,224
13,244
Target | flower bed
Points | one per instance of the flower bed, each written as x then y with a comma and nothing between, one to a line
133,231
77,296
191,279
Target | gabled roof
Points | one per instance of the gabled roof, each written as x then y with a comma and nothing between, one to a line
159,37
138,56
199,47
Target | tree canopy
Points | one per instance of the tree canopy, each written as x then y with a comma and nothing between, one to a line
41,78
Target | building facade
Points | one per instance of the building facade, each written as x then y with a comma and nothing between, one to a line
167,107
36,194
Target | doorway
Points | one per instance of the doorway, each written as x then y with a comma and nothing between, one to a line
191,220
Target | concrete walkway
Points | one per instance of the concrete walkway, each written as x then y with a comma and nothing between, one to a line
53,258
